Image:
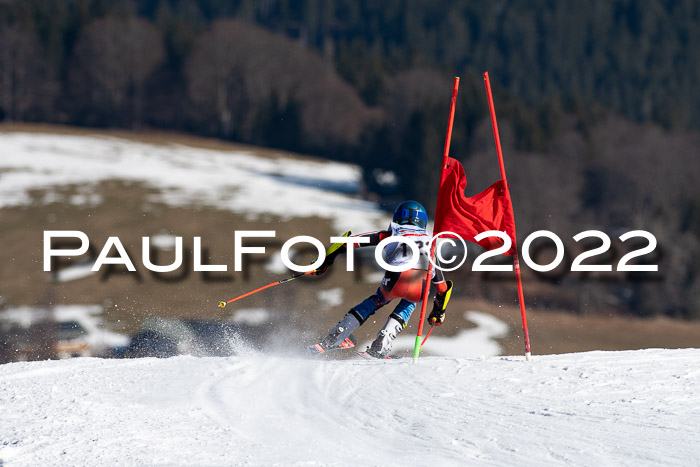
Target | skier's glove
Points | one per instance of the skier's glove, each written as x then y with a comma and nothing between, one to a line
437,316
331,253
324,267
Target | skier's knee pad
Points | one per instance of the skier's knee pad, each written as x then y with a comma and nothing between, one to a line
403,311
368,306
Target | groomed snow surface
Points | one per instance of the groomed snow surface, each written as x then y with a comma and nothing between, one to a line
589,409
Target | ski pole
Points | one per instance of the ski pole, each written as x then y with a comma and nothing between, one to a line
222,304
428,335
331,249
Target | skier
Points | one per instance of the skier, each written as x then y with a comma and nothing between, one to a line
410,220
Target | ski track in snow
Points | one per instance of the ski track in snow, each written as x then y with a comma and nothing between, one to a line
589,409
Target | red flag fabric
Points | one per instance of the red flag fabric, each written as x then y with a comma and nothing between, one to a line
489,210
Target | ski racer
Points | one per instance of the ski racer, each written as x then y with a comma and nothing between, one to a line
410,220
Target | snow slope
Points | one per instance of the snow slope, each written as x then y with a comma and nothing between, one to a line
590,409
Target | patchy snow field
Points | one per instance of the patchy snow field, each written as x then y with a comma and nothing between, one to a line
89,317
590,409
255,186
238,181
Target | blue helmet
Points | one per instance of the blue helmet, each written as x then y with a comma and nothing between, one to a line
411,212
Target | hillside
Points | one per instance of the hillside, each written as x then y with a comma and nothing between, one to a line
598,111
132,185
601,408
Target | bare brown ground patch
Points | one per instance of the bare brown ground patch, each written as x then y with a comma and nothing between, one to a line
554,332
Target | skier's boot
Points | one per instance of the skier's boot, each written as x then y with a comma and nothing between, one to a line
381,347
340,336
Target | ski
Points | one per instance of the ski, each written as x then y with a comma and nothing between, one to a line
348,343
